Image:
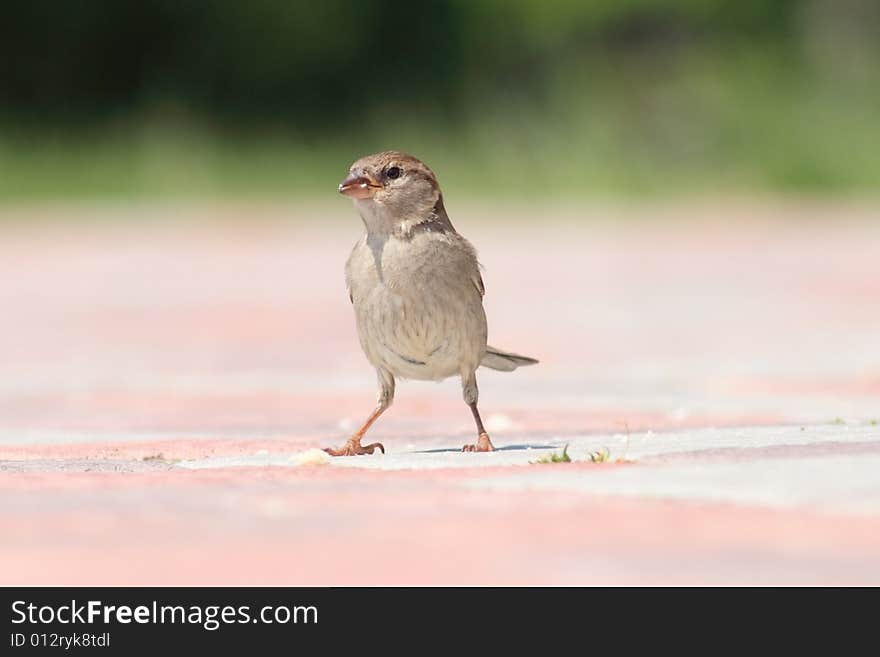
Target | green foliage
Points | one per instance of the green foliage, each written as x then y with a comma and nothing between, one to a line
555,457
535,98
332,62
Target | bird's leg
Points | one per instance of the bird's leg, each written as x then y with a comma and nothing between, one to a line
471,393
353,446
483,443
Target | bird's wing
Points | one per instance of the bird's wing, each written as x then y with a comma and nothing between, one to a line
477,280
349,264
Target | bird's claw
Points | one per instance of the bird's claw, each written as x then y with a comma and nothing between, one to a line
353,447
483,444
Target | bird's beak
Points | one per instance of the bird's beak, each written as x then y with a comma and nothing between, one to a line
358,185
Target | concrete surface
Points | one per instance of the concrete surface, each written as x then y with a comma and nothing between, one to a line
167,379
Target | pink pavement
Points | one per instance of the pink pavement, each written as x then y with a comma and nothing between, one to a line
323,526
139,354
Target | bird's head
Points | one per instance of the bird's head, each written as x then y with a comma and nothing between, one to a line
391,185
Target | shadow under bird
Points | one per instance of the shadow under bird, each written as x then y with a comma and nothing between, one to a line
416,289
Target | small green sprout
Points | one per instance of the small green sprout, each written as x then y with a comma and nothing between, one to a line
873,423
600,456
555,457
838,420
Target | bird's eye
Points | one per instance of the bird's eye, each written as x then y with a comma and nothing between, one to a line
393,172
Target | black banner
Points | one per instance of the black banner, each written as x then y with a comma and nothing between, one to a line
130,620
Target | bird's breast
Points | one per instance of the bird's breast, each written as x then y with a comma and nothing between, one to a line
417,314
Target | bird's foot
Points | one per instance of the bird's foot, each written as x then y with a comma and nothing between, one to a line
483,444
353,447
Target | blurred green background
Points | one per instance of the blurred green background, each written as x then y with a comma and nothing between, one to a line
597,98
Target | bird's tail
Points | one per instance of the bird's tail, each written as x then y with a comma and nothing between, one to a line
504,360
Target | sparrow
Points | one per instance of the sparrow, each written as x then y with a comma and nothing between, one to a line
416,289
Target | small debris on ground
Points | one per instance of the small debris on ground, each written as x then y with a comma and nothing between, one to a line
310,457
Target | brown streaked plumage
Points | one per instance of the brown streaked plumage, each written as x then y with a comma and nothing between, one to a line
416,288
